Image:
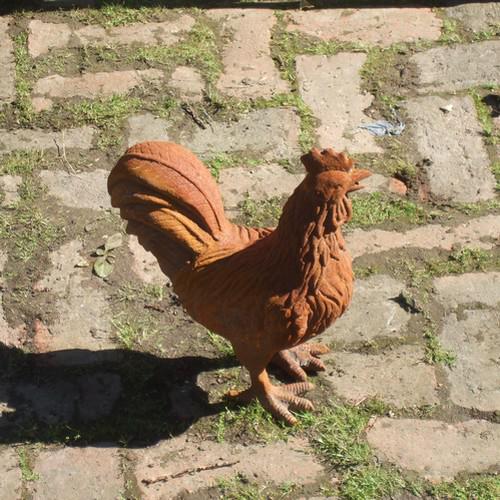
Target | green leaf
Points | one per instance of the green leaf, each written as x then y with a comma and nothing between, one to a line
114,241
102,267
100,251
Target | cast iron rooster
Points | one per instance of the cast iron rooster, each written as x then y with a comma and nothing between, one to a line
266,291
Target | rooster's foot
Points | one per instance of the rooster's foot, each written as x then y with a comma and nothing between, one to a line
297,360
279,399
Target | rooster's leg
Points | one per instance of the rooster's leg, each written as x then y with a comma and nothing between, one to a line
297,360
275,399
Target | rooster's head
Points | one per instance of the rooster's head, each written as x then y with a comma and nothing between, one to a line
331,177
333,174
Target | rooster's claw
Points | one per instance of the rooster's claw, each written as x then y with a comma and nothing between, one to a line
297,360
278,399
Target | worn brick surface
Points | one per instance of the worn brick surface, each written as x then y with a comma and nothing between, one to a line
9,185
481,232
373,313
46,36
477,17
79,190
249,70
78,473
37,139
270,133
146,127
99,84
83,325
373,26
7,90
191,466
10,476
456,163
437,450
145,265
9,335
473,337
399,377
330,86
468,289
188,82
448,69
258,183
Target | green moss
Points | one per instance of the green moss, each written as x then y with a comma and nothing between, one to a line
223,160
119,12
107,114
335,434
495,167
198,49
371,482
251,421
261,213
485,118
434,351
23,108
377,208
131,331
477,488
21,162
27,472
451,32
220,343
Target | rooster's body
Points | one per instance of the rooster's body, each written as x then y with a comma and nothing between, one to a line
266,291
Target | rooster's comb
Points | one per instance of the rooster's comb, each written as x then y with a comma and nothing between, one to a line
317,161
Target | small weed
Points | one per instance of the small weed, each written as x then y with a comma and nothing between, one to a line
401,169
484,117
27,473
224,160
434,351
365,272
220,343
450,32
106,114
130,292
31,232
374,70
239,488
371,482
24,110
377,208
168,105
21,162
118,13
478,488
461,261
336,435
261,213
251,420
132,331
495,167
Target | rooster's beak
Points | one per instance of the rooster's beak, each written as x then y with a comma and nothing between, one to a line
358,175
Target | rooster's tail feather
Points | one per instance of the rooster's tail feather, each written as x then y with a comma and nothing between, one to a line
170,200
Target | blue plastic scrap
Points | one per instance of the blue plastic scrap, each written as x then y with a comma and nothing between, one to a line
383,127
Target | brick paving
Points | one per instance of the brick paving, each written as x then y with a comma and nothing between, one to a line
104,391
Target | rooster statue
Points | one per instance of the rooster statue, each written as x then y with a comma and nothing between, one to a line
265,290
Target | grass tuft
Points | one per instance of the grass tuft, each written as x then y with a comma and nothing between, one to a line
371,482
434,351
263,213
107,114
336,435
377,208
